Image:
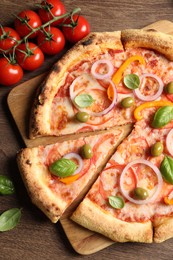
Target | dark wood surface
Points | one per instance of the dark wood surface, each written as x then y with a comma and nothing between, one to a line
35,238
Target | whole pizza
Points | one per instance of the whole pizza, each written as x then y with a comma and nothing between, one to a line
113,92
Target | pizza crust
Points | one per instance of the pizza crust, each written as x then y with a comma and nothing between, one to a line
163,229
37,184
150,39
92,45
51,196
91,216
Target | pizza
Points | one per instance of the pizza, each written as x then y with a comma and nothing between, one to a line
108,80
130,196
90,74
56,174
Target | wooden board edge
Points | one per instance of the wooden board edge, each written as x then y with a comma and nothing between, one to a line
83,247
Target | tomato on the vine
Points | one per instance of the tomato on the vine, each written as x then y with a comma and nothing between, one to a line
10,72
8,38
77,28
51,41
29,56
49,8
27,17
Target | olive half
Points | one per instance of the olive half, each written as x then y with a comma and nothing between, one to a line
127,102
82,117
141,193
157,149
86,151
169,88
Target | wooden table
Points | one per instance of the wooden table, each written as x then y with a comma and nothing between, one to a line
35,238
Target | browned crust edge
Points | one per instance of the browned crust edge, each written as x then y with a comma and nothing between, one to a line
150,39
91,216
163,229
34,175
93,44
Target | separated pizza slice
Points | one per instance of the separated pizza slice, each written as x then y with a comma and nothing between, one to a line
55,175
132,199
101,80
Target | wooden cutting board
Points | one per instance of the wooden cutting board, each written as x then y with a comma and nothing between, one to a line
19,101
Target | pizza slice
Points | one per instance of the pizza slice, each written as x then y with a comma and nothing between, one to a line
132,199
56,174
86,88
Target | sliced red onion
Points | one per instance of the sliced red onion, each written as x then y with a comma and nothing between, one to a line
159,185
110,107
169,142
79,79
78,158
102,76
150,97
105,111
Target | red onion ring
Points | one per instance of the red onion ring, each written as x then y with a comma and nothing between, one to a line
105,111
150,97
159,186
74,93
169,142
110,107
102,76
78,158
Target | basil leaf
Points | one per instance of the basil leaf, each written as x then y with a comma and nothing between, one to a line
9,219
166,169
84,100
163,116
116,202
6,185
63,167
132,81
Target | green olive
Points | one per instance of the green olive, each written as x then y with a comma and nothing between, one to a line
86,151
82,117
169,88
140,193
157,149
127,102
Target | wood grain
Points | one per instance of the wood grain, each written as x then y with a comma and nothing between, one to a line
35,237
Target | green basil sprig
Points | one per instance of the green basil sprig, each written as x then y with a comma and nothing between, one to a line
163,116
83,100
63,167
116,202
6,185
131,81
166,169
9,219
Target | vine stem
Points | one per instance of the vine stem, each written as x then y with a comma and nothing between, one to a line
55,18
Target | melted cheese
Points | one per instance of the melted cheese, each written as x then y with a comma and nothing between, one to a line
108,185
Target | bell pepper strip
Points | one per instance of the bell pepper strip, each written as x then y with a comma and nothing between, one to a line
70,179
119,73
168,201
137,111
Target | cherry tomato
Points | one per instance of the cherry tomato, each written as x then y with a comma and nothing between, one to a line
30,17
51,41
9,73
56,7
8,38
78,30
32,58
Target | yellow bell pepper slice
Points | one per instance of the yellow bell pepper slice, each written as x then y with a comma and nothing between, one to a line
137,111
70,179
168,201
119,73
